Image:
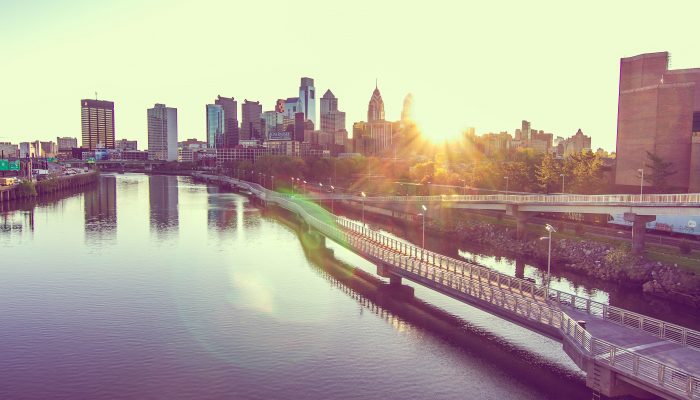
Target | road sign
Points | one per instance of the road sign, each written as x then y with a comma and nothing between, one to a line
91,160
4,165
51,159
14,165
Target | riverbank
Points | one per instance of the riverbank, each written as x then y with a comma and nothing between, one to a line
30,190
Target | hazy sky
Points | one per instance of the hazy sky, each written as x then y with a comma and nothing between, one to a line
487,64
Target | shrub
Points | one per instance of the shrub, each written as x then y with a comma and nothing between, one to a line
579,229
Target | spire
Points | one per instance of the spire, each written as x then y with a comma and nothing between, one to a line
376,85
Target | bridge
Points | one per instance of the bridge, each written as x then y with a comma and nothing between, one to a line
637,209
622,352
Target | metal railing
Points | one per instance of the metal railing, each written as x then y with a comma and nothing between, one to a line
529,301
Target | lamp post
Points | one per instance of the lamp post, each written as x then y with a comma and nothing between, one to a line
550,229
320,194
562,182
641,182
363,207
332,200
272,182
304,186
506,178
292,185
425,210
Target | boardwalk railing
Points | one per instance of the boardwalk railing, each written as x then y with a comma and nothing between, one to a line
520,297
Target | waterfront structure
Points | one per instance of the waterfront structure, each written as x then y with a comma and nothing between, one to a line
97,122
162,133
65,144
125,144
230,136
251,126
307,99
215,124
658,112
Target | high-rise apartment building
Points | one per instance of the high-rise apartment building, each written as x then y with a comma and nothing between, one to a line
97,121
307,99
215,124
251,126
162,133
658,112
231,133
66,144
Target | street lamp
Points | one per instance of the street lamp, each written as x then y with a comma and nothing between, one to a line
425,210
641,182
304,186
320,194
292,185
550,229
332,200
272,182
363,207
562,182
506,178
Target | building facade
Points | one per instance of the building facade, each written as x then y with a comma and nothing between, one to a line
8,149
97,123
230,135
251,126
332,120
125,144
215,124
162,133
66,143
659,113
307,99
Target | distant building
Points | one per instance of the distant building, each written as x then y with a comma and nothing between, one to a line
332,120
251,126
307,98
375,109
496,143
97,121
231,132
376,135
292,105
215,124
575,144
48,149
8,149
65,144
162,133
658,112
125,144
407,110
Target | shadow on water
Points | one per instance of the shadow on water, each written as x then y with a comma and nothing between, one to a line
396,308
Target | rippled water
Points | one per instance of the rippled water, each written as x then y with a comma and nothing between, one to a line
157,287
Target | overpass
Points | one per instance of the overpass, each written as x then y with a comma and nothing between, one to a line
622,353
637,209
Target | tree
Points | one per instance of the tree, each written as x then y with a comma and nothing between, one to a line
548,173
658,172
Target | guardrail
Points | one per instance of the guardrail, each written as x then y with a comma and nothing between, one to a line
528,303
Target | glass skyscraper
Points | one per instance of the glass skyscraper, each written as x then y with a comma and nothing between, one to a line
215,124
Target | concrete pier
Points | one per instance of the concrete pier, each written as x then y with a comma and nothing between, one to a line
639,230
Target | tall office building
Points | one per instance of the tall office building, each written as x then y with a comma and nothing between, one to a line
407,110
251,126
375,110
162,133
332,120
97,121
658,112
215,125
231,134
307,98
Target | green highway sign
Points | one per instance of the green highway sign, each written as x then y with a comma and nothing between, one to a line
91,160
51,159
14,165
4,165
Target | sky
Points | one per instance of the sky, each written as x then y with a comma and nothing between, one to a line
486,65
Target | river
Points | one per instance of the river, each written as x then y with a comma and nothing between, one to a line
158,287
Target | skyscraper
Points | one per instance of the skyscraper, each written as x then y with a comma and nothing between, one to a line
215,124
375,110
251,126
407,110
97,121
162,133
231,134
307,98
658,112
332,120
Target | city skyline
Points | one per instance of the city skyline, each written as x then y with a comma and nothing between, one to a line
544,70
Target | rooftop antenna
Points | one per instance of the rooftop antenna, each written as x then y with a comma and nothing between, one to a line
375,83
95,96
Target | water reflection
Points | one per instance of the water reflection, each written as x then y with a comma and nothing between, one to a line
100,205
163,202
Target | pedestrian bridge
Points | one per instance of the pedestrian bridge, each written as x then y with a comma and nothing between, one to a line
622,352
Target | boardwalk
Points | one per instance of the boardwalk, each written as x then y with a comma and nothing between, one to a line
622,352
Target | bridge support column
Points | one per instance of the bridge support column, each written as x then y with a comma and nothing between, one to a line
521,218
639,223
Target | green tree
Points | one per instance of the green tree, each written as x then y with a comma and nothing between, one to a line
658,171
548,173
